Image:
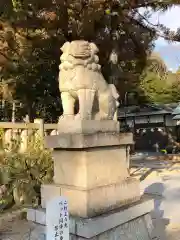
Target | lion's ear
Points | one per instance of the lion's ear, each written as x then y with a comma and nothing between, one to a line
94,48
65,47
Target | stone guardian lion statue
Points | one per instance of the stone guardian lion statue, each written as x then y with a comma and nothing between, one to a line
80,79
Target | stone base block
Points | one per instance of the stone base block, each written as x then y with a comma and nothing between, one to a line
129,223
88,140
90,168
88,203
87,126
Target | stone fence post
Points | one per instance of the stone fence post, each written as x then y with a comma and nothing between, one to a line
40,132
25,133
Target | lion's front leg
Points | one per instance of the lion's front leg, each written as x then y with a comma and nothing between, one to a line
68,102
86,99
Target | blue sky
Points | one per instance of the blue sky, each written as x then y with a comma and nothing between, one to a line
170,52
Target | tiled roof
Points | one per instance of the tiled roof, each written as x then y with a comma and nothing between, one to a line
147,109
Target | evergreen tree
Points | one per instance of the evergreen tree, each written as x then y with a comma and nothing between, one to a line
31,33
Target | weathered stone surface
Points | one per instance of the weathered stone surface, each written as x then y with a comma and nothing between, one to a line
80,78
87,126
31,215
48,192
88,203
80,141
40,217
91,171
133,230
129,223
90,168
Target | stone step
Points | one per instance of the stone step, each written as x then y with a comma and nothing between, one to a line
90,227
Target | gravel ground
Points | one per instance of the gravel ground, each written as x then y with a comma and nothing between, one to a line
173,232
23,230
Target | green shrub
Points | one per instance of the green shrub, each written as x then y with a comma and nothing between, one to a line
23,174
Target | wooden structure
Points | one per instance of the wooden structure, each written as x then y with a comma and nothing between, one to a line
151,124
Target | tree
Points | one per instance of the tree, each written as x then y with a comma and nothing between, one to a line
175,90
158,84
156,65
31,33
154,81
155,88
178,71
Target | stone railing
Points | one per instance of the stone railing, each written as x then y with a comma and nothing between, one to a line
23,133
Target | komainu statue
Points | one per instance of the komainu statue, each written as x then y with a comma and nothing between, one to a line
81,80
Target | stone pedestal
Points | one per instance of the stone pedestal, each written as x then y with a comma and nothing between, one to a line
90,170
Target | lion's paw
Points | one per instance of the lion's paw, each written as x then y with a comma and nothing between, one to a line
101,116
80,117
64,117
77,116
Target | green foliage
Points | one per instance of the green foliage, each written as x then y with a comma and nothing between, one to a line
157,83
156,65
23,174
31,33
175,91
155,88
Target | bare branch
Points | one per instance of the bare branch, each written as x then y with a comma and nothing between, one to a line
147,3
